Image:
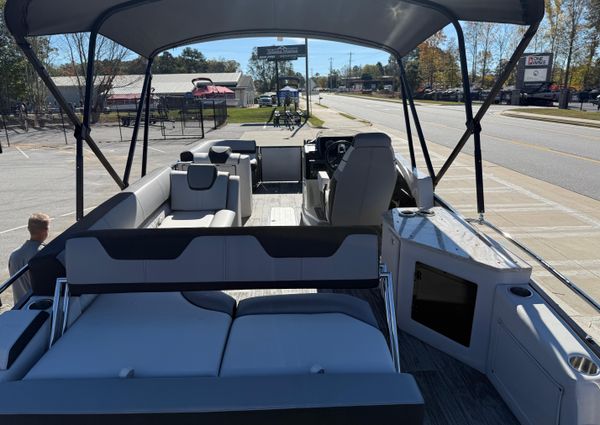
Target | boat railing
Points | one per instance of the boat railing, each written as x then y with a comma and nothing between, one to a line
549,268
8,283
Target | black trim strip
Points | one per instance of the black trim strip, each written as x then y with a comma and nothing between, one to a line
411,413
121,288
21,343
278,242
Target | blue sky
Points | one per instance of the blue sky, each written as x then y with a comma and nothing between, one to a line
319,52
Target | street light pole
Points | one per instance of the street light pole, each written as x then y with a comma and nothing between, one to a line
307,85
277,81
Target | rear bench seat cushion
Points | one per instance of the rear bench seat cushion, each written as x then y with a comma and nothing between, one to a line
303,334
155,335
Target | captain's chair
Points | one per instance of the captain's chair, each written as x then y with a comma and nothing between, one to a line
361,187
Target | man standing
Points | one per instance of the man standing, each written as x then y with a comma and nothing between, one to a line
38,226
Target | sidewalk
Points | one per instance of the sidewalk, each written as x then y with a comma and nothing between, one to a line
550,118
561,226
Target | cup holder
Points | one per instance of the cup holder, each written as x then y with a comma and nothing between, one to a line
584,365
407,213
426,213
520,291
44,304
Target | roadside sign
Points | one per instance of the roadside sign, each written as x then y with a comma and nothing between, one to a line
537,60
272,53
534,69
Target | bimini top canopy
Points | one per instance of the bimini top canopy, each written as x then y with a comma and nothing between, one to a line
150,26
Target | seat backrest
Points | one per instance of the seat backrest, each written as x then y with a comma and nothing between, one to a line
245,147
235,164
362,186
149,260
131,208
200,188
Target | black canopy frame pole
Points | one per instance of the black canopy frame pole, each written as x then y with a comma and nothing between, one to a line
147,124
409,136
473,126
84,130
42,72
508,69
411,102
138,120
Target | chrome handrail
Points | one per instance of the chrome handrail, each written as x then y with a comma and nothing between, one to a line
14,278
390,310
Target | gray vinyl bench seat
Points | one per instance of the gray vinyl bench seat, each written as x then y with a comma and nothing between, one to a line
141,335
155,324
305,334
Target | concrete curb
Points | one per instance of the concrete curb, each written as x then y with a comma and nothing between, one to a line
558,120
399,101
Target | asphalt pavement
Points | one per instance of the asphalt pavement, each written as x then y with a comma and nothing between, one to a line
565,155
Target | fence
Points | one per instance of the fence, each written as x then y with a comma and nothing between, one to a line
19,122
183,117
175,117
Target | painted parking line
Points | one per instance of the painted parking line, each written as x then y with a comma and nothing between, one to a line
14,229
157,150
23,153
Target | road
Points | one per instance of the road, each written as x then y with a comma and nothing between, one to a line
564,155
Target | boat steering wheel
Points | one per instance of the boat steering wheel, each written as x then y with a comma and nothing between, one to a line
335,153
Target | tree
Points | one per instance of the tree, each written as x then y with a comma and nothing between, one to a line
222,65
166,64
555,31
13,85
575,13
472,36
487,31
18,80
191,60
592,41
263,72
109,62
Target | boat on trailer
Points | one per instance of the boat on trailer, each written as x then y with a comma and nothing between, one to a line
407,314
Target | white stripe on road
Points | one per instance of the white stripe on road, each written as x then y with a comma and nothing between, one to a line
24,154
51,219
157,150
12,230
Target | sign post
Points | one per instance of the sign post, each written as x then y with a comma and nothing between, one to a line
284,53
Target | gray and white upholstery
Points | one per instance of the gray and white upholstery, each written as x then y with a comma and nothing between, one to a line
134,326
138,336
244,147
235,164
228,258
361,187
203,197
305,334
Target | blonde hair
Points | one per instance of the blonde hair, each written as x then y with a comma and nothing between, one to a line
38,223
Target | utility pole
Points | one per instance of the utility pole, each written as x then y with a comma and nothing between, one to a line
307,83
277,81
330,73
350,66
